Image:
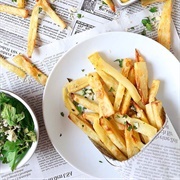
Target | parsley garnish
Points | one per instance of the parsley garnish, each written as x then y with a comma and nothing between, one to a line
79,16
111,89
153,9
14,0
143,32
120,62
100,161
40,9
147,23
62,114
69,79
129,126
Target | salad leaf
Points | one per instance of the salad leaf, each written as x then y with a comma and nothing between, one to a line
9,113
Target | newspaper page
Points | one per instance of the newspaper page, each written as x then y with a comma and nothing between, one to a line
47,163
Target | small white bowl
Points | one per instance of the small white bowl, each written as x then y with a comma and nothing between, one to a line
118,3
5,168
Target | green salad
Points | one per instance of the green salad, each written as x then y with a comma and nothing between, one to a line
16,131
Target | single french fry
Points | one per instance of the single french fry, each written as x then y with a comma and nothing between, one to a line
153,90
68,103
138,56
127,65
77,84
13,10
20,3
158,113
30,69
110,82
111,5
137,140
127,97
141,77
91,116
150,115
10,67
47,8
33,26
137,124
87,103
99,63
107,142
164,28
105,106
113,134
148,2
132,149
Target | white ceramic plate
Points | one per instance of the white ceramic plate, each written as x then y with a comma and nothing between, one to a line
68,140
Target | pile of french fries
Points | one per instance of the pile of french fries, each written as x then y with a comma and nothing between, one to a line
115,108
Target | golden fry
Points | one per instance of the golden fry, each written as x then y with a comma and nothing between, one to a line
4,63
148,2
47,8
77,84
32,31
164,28
105,106
111,5
153,90
68,103
30,69
141,77
13,10
20,3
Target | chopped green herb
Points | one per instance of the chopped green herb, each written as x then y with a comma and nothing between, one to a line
100,161
125,116
82,70
147,23
120,62
40,9
79,16
103,2
62,114
39,75
69,79
132,28
153,9
14,0
143,32
111,89
153,19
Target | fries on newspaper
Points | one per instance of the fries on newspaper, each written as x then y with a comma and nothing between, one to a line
24,64
121,126
7,65
34,23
